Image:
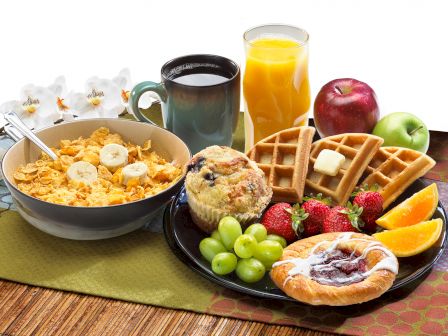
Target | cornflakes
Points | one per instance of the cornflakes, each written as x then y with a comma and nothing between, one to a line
47,179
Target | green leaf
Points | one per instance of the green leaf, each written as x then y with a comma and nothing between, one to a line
319,197
353,212
298,215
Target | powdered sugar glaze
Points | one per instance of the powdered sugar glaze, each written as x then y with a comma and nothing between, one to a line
317,263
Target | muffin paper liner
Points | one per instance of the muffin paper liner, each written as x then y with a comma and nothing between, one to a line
207,218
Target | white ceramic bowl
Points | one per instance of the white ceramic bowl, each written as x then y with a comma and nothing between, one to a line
88,223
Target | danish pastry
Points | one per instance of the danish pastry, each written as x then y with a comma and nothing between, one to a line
335,269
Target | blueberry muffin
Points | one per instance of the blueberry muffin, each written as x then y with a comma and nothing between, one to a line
222,181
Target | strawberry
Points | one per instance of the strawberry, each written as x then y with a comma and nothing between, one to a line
343,219
372,203
309,218
277,220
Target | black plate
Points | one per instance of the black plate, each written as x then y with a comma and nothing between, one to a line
183,237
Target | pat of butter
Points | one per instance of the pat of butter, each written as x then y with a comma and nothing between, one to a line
329,162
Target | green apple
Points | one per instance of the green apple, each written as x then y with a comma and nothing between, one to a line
403,129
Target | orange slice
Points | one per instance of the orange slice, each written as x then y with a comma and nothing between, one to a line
411,240
417,208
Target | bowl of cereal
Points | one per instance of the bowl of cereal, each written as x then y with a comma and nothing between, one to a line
111,177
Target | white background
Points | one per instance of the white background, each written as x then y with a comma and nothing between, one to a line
400,48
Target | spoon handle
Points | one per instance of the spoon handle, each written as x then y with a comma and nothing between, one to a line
15,121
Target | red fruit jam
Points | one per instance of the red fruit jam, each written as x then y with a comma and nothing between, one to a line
339,268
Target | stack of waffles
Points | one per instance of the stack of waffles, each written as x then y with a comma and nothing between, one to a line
287,158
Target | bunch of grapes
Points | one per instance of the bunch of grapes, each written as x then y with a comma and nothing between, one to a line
250,254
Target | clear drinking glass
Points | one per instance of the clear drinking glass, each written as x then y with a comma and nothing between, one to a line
275,84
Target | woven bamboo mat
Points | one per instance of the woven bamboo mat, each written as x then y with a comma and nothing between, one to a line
28,310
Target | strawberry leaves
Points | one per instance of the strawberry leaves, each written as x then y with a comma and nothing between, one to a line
298,215
353,213
319,197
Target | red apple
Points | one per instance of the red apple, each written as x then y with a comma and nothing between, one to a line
345,105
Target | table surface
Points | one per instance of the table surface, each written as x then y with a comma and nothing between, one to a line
29,310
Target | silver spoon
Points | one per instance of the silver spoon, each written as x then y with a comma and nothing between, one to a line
15,121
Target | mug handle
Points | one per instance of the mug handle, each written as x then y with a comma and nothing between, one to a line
137,92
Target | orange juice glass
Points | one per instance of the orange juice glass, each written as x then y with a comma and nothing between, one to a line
275,85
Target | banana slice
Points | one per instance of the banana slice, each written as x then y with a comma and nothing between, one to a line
137,171
82,171
113,156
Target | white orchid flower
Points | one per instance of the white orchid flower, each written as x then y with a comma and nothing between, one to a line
101,99
36,106
123,80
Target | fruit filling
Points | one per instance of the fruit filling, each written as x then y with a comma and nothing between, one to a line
338,268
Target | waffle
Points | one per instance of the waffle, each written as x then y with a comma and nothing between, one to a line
394,169
358,149
283,157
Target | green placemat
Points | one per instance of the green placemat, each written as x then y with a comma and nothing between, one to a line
136,267
140,267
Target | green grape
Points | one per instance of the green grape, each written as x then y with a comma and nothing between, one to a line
224,263
209,247
267,264
215,234
258,231
250,270
245,246
277,238
268,252
229,230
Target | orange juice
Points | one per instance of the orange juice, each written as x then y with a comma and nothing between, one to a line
276,87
